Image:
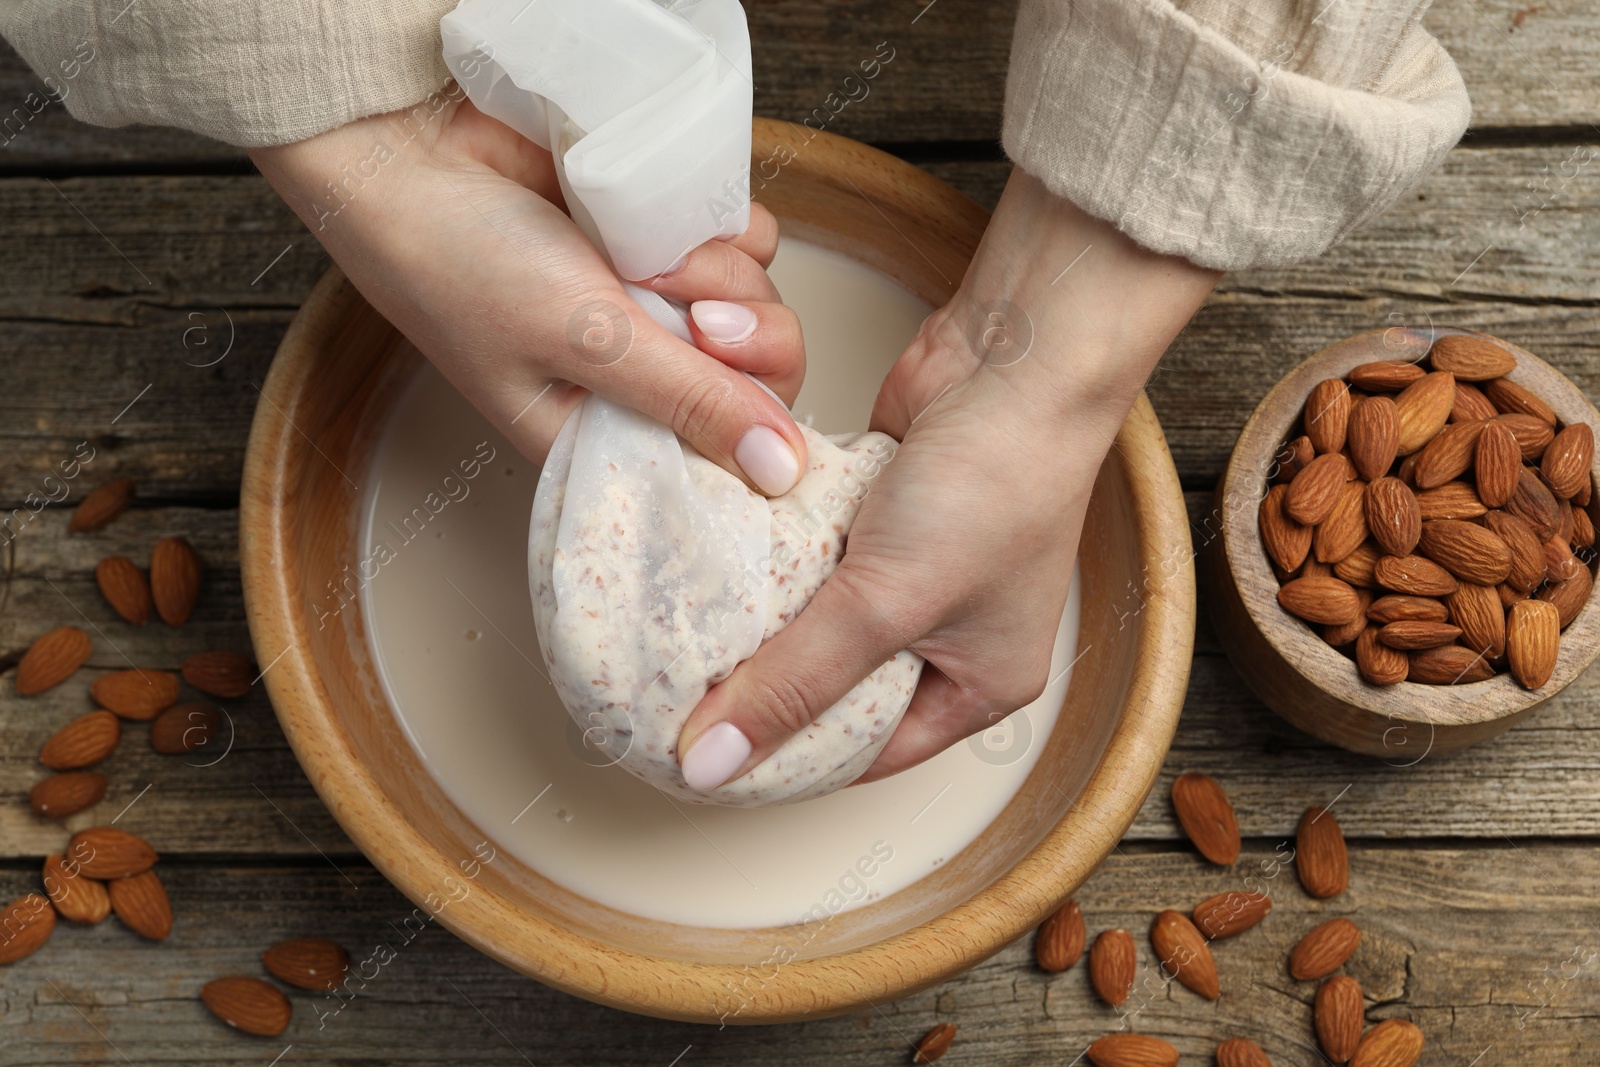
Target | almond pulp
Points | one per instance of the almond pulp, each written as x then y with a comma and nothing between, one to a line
140,901
84,741
1497,460
1320,856
1374,436
61,795
1393,515
136,694
248,1004
1533,634
1060,939
125,588
1338,1014
1113,963
1184,954
103,504
1207,817
1327,415
1230,914
1324,950
1468,551
51,660
77,898
174,579
1424,407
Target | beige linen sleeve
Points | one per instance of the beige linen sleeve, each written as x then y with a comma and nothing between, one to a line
248,72
1233,133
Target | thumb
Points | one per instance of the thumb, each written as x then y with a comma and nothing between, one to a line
837,640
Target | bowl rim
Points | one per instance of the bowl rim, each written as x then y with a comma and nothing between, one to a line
898,965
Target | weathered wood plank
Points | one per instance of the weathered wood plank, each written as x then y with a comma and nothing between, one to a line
1424,912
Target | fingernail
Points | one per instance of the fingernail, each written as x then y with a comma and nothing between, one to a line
767,460
723,321
713,758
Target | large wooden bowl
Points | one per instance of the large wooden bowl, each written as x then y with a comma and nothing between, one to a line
1286,662
332,383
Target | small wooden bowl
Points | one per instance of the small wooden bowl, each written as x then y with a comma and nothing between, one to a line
1286,662
333,382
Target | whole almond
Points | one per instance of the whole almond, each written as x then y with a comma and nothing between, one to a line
61,795
1320,857
140,901
1060,939
1374,436
1533,635
1206,816
1398,606
104,503
1468,551
125,588
1471,404
183,728
1533,434
1566,462
77,898
51,660
1327,415
1324,600
1385,376
1582,529
105,852
1454,500
1392,1043
1512,399
1477,610
1312,568
174,579
1406,470
1230,914
1568,597
1584,494
1564,525
1291,460
1184,954
1534,504
1393,515
1448,455
1377,662
1241,1052
1509,595
1415,575
1448,665
84,741
1358,567
1471,359
1338,1014
1498,463
248,1004
1339,636
935,1043
313,963
219,674
1559,562
1132,1050
25,926
1113,963
1345,528
1424,407
1285,540
1527,552
1324,949
1315,490
136,694
1411,634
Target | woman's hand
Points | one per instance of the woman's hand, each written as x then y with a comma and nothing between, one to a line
1006,403
453,226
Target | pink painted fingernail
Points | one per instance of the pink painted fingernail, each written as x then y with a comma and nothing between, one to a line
723,321
713,758
767,460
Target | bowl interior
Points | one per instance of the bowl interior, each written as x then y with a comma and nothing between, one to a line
338,373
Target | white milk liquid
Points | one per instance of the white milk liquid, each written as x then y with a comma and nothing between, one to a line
451,626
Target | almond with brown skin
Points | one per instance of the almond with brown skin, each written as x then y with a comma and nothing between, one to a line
84,741
1415,575
1448,665
1291,460
1206,816
1559,562
1533,635
1338,1014
1059,942
1509,595
1527,552
1568,597
61,795
1374,436
1394,516
1184,954
1468,551
174,579
1132,1050
1534,504
313,963
1323,600
1327,415
219,674
1477,610
1113,963
1392,1043
1498,463
1471,359
1564,521
1582,529
1471,404
1339,636
140,901
184,728
136,694
1424,408
1533,435
1314,568
935,1043
1345,528
1448,455
1377,662
1398,607
1512,399
1324,950
1566,462
1358,567
248,1004
26,922
1230,914
1320,856
1385,376
1315,490
1287,542
1454,500
1406,470
1582,499
51,660
77,898
1241,1052
104,503
125,588
105,852
1410,635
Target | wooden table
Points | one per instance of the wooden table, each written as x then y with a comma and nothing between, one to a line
148,278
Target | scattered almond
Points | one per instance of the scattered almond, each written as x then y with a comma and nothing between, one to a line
935,1043
1184,954
140,901
1392,1043
1337,1015
1060,939
61,795
104,503
1324,950
248,1004
1230,914
125,588
51,660
219,674
1113,964
313,963
1320,856
1207,817
1241,1052
174,579
77,898
183,728
1533,634
84,741
25,926
104,852
1132,1050
136,694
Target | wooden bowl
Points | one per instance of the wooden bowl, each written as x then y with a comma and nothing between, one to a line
1286,662
332,383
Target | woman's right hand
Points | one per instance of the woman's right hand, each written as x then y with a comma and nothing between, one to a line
456,232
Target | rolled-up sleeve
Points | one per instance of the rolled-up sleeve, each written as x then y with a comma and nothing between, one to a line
1229,133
